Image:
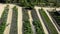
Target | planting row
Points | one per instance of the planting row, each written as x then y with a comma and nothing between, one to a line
26,24
36,22
47,22
56,18
14,28
3,19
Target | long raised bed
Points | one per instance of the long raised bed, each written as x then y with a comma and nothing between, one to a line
56,18
13,28
26,24
47,22
37,23
3,19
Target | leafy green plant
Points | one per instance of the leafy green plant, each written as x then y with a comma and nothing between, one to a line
36,22
4,19
13,29
49,24
56,18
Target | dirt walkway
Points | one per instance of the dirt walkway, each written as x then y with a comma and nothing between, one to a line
19,20
1,9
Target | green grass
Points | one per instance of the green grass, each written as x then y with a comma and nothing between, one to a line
3,19
48,22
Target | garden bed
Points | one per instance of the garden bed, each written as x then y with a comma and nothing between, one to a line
3,19
56,18
37,23
26,24
14,28
48,23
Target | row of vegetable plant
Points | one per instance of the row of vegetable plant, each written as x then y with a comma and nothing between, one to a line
56,18
47,21
3,19
26,24
14,28
37,23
